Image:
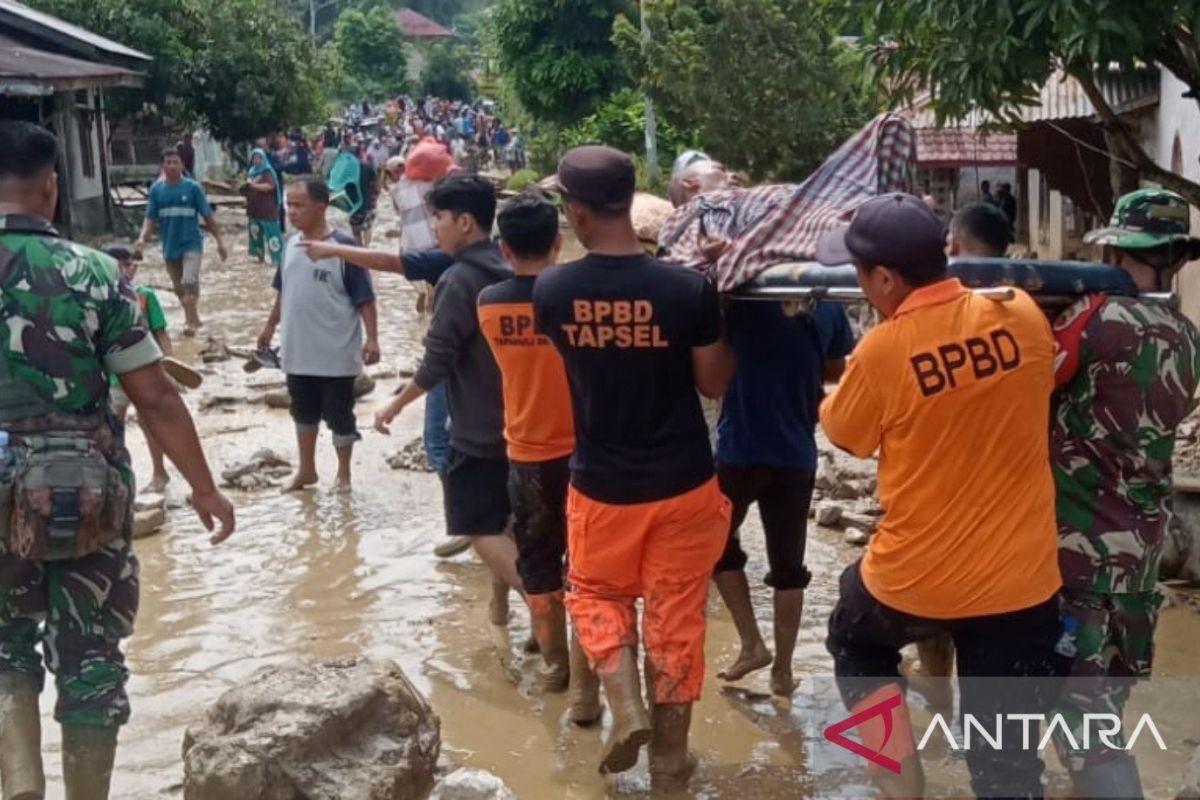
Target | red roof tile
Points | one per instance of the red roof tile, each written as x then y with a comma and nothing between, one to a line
961,147
418,26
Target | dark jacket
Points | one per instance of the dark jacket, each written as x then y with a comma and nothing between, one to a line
456,352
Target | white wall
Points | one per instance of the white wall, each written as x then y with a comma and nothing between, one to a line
1180,115
84,187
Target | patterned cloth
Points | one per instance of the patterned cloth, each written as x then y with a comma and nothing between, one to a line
1114,641
416,219
79,610
1113,436
778,224
266,239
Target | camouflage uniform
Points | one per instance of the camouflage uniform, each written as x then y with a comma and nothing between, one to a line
70,322
1138,365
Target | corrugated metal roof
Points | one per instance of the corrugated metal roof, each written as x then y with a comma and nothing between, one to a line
28,19
25,70
964,147
418,26
1060,98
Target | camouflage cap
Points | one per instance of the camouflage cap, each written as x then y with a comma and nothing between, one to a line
1146,219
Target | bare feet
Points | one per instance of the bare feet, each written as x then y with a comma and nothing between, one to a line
189,331
453,546
157,485
747,662
300,482
782,682
342,484
531,646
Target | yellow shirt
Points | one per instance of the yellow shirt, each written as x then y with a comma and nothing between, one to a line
954,393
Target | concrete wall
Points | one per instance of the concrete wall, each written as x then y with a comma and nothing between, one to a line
1179,116
84,150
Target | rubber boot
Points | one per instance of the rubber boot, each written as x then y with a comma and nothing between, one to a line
583,696
631,722
671,765
1117,778
549,623
88,755
21,776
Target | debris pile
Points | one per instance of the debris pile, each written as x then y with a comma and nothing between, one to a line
411,457
262,471
844,495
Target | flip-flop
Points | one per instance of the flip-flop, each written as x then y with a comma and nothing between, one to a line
268,358
182,372
251,366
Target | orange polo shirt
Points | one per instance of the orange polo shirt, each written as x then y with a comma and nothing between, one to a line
954,393
538,425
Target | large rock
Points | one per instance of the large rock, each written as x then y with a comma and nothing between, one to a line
338,730
471,784
1191,790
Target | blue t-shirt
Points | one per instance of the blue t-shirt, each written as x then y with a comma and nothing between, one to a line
769,415
178,209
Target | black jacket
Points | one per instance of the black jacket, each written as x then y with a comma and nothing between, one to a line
456,352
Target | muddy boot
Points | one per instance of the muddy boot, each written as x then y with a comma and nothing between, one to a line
630,723
21,776
583,699
88,755
671,765
548,618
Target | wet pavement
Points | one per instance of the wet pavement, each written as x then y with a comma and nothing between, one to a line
328,574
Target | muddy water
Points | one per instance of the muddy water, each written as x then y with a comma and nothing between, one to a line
330,575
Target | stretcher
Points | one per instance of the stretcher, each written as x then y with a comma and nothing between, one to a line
1053,284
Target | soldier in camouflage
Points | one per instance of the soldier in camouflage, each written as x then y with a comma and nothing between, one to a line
68,323
1128,371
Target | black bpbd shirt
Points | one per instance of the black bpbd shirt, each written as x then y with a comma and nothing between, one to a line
626,326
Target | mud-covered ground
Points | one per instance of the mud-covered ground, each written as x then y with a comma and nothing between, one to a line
326,574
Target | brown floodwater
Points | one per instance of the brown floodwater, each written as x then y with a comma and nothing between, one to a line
328,574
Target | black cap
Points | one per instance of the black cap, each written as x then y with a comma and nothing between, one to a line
600,178
893,230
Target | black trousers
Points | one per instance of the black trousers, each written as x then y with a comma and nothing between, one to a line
993,652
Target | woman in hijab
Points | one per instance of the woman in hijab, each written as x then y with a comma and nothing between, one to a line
264,200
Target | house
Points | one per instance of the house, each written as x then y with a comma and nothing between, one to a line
1175,144
954,159
1072,183
54,73
421,33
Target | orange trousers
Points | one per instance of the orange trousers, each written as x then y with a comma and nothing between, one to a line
663,552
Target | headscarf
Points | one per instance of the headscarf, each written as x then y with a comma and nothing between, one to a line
265,167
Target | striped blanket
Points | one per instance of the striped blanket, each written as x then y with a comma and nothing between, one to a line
778,224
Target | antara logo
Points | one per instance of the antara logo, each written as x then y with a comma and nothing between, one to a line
1105,729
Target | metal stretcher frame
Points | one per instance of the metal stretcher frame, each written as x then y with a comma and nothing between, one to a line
1051,283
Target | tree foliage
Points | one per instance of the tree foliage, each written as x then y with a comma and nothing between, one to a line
446,72
239,67
761,84
373,51
995,55
558,54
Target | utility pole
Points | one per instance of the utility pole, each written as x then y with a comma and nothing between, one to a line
651,120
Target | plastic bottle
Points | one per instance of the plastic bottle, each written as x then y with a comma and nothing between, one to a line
1066,643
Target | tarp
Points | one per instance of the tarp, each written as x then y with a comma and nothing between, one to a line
778,224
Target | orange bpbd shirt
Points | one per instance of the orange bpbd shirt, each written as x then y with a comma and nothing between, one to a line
954,393
538,425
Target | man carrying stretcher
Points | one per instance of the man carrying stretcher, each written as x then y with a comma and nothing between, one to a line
953,390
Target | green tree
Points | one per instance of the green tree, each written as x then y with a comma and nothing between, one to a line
373,51
446,72
240,67
761,84
996,55
558,54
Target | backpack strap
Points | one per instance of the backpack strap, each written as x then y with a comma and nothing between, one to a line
1068,336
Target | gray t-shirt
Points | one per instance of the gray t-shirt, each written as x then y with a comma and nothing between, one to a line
319,305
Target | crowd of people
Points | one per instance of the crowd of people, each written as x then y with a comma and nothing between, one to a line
1024,463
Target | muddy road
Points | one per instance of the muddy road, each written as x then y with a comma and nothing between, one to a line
328,574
